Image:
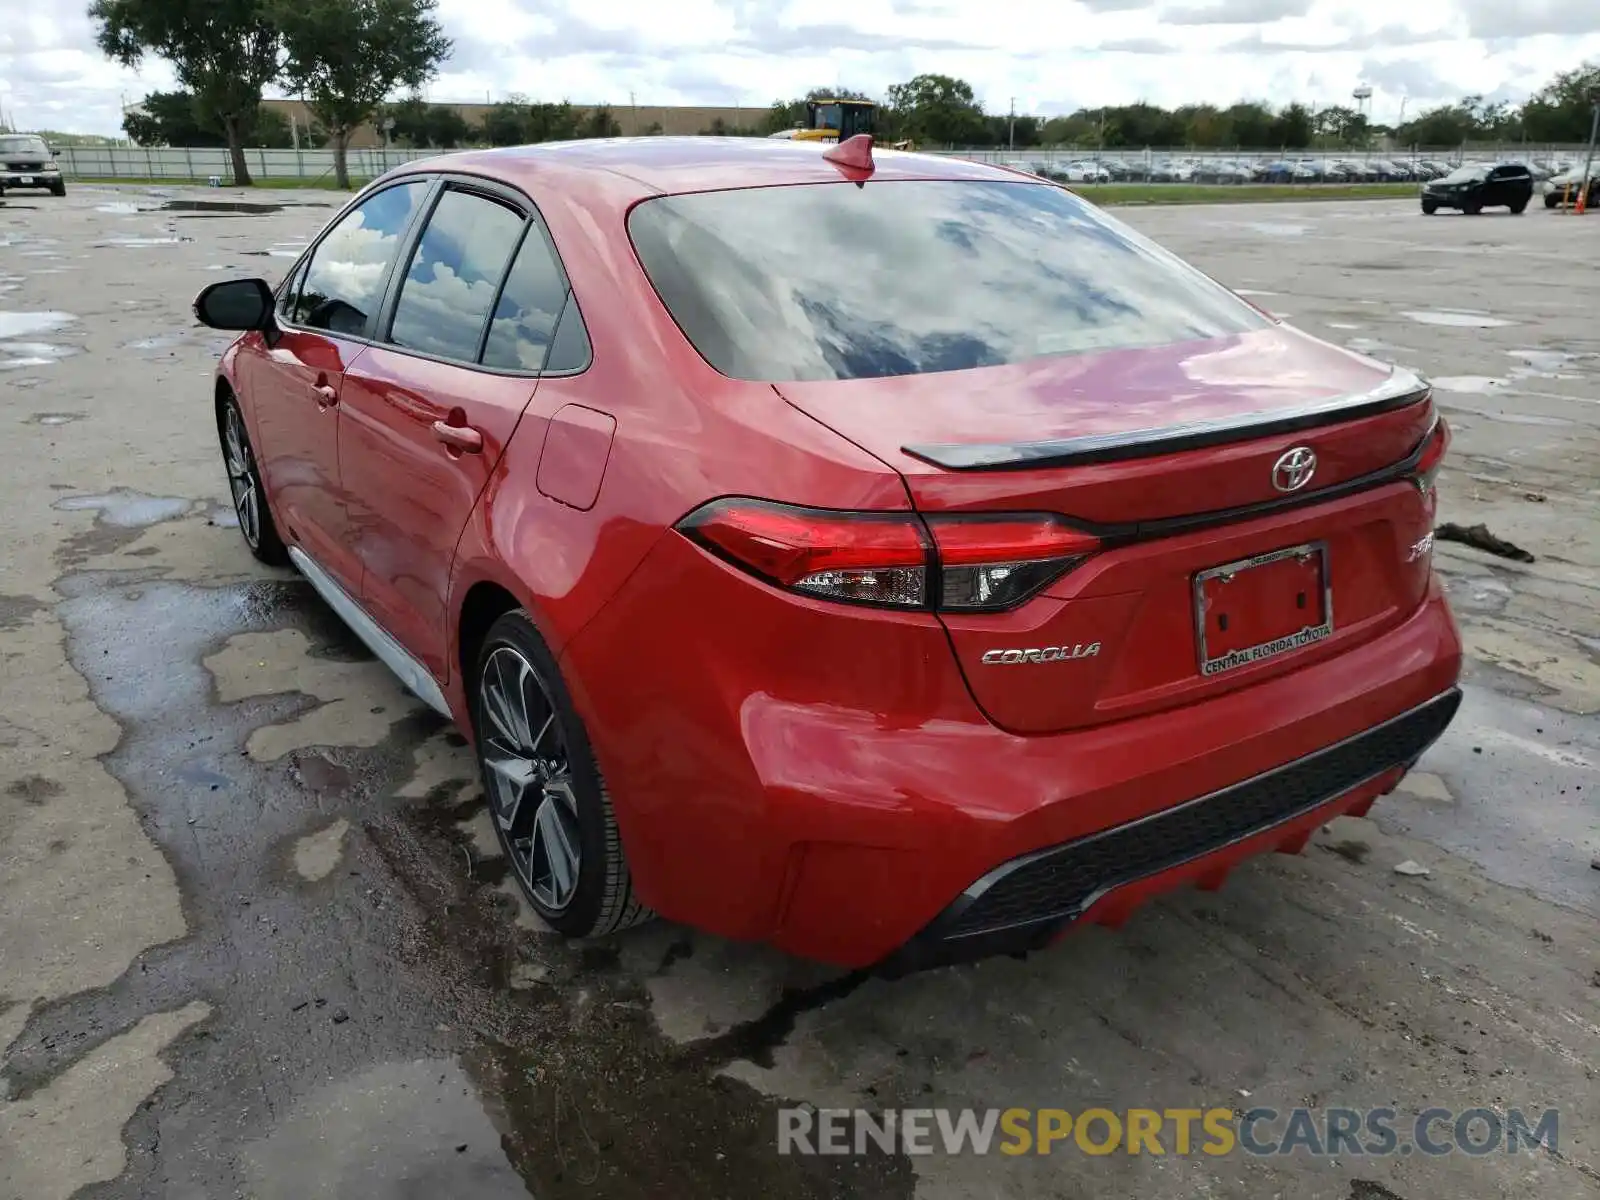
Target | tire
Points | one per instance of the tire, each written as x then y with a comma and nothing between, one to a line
1518,207
523,718
1472,207
58,189
1429,207
244,485
1552,199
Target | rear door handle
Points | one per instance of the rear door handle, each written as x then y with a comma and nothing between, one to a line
464,438
327,395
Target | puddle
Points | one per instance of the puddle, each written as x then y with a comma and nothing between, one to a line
160,341
33,354
24,324
1277,228
49,418
141,241
240,207
1251,292
279,250
1341,325
126,508
123,208
1457,320
1478,385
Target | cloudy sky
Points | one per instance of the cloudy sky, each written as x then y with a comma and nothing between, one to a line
1048,55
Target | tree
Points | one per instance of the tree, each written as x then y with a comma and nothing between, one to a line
937,109
345,56
169,119
1562,110
504,124
421,125
222,51
599,123
1292,128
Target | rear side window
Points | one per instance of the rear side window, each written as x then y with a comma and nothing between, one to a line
835,281
525,317
344,279
454,274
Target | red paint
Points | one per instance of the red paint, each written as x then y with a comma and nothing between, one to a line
573,462
822,775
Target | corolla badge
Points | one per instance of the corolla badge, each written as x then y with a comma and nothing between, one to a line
1294,469
1041,654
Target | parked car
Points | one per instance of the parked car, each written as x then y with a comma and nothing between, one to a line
1087,171
27,162
892,617
1563,188
1476,186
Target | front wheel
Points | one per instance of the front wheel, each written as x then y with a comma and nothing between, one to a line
1472,207
244,483
1429,207
58,189
1552,199
550,807
1518,207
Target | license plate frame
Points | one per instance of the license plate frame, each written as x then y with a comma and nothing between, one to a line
1274,647
25,181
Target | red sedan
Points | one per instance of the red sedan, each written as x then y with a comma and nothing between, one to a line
890,557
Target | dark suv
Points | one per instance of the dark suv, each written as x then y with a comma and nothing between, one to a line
1477,186
26,162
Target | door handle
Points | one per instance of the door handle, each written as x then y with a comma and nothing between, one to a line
463,438
327,395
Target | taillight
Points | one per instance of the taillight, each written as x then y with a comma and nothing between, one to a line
1432,456
987,563
969,563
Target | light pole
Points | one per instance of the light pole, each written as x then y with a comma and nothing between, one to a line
1011,127
1588,161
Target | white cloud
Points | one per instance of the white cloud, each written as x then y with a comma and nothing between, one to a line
1050,55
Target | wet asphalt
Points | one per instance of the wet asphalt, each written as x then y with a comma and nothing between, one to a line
386,1020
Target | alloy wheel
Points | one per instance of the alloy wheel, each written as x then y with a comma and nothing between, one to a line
241,477
530,778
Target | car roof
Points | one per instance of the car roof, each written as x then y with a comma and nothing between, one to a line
663,165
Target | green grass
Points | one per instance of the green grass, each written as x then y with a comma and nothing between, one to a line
1210,193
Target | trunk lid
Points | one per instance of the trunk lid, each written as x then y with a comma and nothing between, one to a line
1169,454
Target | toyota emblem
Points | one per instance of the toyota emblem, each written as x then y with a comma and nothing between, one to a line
1294,469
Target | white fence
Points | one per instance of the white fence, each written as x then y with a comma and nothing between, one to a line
199,165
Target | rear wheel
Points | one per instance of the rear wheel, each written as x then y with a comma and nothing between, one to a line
1519,206
244,483
1552,199
550,807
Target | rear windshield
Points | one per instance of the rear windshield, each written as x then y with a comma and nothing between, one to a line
838,281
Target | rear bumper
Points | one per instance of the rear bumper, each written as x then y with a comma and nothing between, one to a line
820,778
1025,903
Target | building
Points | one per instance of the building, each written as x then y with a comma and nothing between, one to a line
635,119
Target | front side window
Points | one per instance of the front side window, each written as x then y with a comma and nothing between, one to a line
915,276
344,279
454,276
525,318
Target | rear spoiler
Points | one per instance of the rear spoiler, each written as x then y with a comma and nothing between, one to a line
1399,390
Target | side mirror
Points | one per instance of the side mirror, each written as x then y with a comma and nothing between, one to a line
54,152
235,304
